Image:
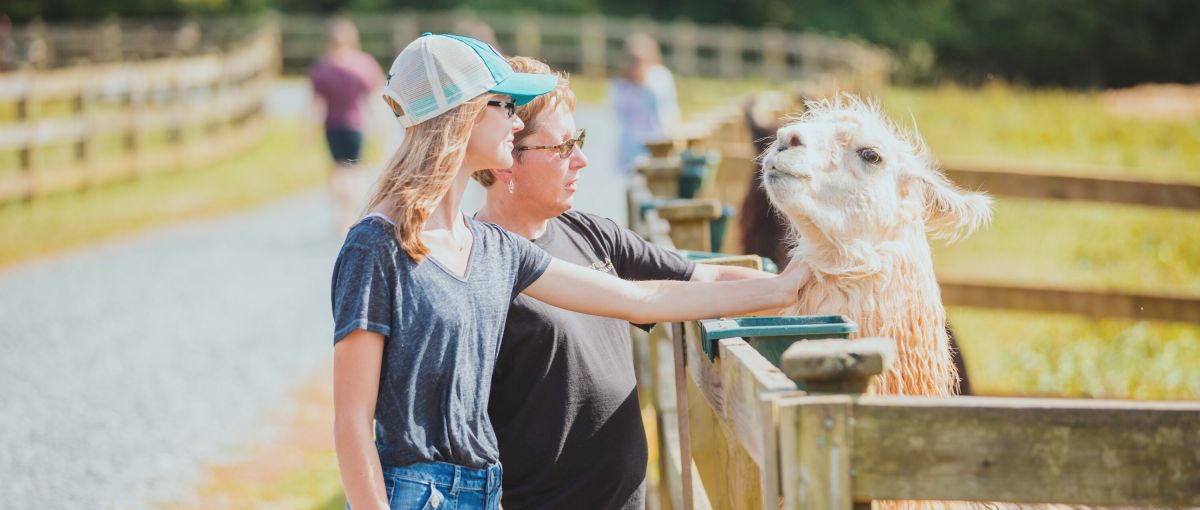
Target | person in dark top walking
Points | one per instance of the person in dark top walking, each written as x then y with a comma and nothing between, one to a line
420,292
564,401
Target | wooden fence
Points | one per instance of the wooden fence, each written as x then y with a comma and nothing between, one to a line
127,119
593,45
38,45
765,442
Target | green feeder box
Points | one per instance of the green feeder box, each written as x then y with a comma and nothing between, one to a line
773,335
695,167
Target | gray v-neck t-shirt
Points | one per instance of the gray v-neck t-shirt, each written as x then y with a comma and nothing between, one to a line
442,333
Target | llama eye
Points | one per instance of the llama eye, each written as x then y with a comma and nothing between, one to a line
781,147
870,156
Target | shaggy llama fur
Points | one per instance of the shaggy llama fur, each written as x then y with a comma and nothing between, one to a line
862,196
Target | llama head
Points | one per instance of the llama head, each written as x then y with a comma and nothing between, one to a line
844,170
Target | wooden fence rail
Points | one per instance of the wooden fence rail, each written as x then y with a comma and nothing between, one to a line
1030,181
592,45
206,106
38,45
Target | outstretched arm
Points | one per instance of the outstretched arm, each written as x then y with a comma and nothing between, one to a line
585,290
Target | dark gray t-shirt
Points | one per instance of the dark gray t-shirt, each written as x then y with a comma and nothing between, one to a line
564,397
442,334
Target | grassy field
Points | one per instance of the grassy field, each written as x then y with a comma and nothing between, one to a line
1096,246
1002,123
278,166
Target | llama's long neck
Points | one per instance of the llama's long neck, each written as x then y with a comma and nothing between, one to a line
889,289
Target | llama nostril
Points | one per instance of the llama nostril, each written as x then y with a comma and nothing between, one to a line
794,140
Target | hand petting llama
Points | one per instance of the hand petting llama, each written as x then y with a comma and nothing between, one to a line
861,196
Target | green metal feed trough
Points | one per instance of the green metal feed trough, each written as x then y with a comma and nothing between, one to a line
773,335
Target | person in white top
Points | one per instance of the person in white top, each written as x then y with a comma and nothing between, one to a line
643,98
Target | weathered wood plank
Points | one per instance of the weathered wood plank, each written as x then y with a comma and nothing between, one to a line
751,384
690,221
750,261
732,422
816,449
1088,452
690,209
1031,182
1066,300
838,366
678,341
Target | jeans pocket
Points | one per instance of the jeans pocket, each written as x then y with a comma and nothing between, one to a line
413,495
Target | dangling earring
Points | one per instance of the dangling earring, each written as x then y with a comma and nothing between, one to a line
511,186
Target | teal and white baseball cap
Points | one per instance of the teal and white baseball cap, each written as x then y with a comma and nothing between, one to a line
437,72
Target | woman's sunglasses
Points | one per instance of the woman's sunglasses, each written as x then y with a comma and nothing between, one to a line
564,149
509,108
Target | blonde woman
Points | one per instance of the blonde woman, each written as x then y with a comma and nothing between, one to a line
420,291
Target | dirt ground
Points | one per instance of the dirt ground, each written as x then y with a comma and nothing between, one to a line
296,470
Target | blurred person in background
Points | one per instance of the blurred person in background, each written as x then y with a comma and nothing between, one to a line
342,80
564,400
643,99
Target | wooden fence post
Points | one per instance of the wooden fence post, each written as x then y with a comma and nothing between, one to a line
404,31
27,113
729,53
528,38
593,47
774,51
85,147
678,341
816,435
683,51
690,219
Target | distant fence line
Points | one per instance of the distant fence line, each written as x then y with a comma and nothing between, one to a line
39,45
593,45
88,124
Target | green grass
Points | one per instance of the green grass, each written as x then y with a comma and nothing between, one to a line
1094,246
278,166
1018,353
1003,123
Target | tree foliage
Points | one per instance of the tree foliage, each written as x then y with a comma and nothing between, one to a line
1086,43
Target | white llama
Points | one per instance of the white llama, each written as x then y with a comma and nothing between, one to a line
861,196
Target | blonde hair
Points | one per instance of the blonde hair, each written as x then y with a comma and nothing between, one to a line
529,111
422,171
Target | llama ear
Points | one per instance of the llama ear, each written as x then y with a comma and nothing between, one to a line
951,213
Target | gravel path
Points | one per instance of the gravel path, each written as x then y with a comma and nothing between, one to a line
125,368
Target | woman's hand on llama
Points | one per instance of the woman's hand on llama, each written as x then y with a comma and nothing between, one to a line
796,275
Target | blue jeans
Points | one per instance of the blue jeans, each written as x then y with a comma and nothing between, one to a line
442,486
